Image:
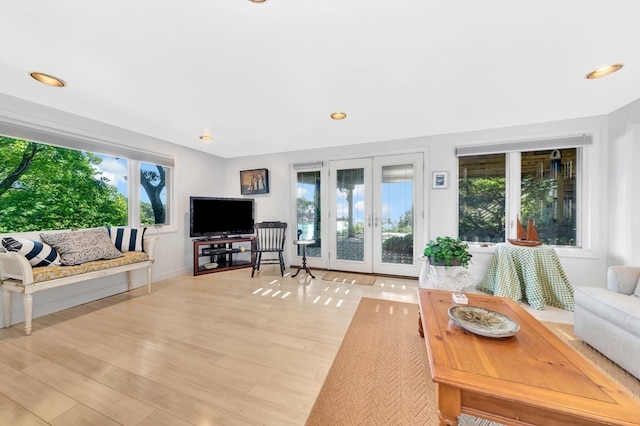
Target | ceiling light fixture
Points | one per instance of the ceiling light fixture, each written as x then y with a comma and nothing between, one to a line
206,138
338,116
604,71
257,1
47,79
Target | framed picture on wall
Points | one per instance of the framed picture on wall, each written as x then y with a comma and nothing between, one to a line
254,181
440,180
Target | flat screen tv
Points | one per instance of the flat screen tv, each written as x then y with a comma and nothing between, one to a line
212,217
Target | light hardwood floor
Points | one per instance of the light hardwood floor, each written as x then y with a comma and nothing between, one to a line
217,349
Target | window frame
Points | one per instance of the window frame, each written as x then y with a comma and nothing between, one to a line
512,149
134,186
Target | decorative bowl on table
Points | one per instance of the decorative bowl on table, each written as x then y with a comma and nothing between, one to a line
483,322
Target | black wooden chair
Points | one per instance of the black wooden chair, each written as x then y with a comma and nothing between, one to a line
270,238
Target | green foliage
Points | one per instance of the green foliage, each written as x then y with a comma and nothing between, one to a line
146,214
405,223
482,209
448,251
56,188
399,245
538,203
306,209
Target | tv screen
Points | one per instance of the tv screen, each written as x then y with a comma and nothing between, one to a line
220,217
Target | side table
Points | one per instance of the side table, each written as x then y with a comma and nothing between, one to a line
530,273
303,244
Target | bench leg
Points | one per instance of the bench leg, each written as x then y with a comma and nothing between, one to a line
27,301
129,280
6,306
149,279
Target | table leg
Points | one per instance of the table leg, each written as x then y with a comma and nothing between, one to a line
420,329
449,404
304,263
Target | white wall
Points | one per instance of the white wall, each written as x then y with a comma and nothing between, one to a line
623,184
195,173
583,267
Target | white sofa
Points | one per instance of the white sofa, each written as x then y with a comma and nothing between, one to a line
609,319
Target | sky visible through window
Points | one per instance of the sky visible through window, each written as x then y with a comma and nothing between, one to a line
115,171
394,198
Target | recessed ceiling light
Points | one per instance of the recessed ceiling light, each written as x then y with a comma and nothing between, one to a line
604,71
338,116
47,79
257,1
206,138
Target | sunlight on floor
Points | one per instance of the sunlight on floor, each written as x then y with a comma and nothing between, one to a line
327,293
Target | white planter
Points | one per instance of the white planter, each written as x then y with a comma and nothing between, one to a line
452,278
424,272
447,271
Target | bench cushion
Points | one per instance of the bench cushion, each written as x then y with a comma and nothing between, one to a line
47,273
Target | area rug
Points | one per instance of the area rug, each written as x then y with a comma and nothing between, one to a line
349,278
380,375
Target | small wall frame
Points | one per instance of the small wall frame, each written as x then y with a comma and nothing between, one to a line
440,180
254,181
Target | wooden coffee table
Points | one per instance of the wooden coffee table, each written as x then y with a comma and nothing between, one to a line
530,378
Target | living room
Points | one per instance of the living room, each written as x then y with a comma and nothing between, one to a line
611,242
610,231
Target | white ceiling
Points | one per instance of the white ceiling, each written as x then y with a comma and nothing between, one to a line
263,78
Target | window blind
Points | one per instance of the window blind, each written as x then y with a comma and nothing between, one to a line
529,145
66,139
311,165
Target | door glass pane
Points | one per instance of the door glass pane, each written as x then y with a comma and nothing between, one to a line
350,214
548,190
396,222
308,211
481,189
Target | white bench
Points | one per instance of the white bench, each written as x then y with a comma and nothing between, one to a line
18,276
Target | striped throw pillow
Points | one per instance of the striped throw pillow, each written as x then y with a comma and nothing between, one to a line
127,239
36,252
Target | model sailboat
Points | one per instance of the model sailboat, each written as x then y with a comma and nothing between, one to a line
526,238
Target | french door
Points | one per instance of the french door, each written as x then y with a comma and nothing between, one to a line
375,210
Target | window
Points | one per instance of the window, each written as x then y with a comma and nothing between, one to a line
153,202
45,187
541,181
548,189
481,192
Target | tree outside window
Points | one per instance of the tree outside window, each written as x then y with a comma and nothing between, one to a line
44,187
153,203
547,192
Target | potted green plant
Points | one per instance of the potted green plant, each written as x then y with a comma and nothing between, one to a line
448,251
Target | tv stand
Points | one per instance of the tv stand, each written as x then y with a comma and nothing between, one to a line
228,253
